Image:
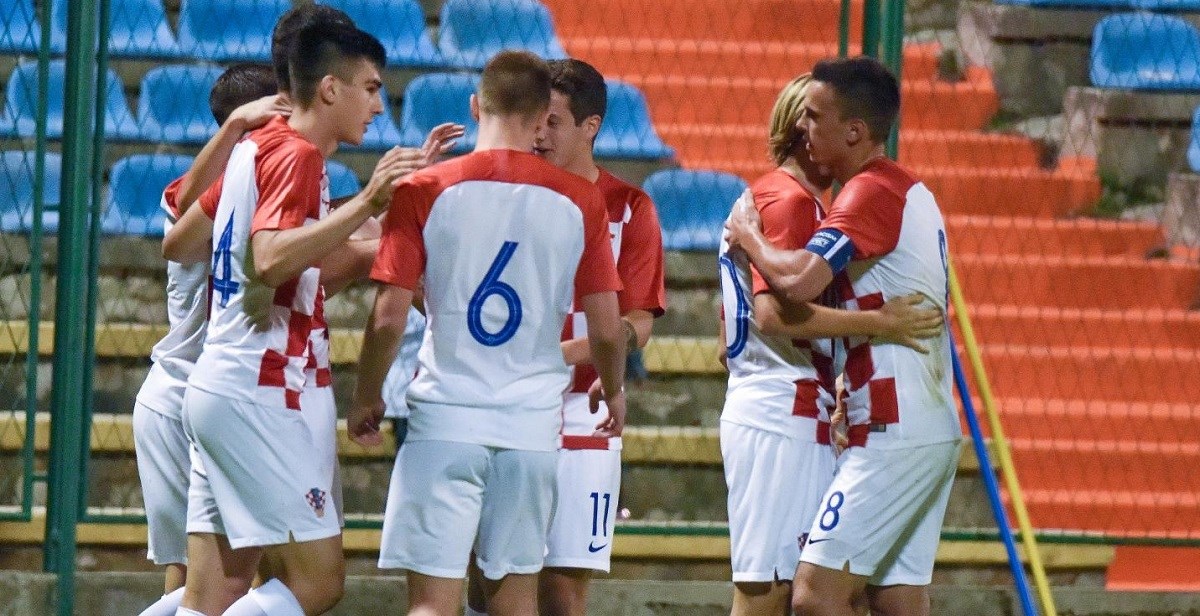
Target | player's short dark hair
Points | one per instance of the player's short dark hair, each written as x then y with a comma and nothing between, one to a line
238,85
283,37
515,83
865,89
583,85
327,48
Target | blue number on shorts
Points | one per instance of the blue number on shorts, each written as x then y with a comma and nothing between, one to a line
832,509
945,261
223,283
490,286
736,342
600,522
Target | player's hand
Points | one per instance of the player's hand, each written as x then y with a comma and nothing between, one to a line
614,424
906,323
395,164
743,221
440,140
839,428
258,112
362,423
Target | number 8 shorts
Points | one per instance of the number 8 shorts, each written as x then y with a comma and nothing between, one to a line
882,515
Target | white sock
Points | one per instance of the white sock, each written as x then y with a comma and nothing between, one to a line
183,611
168,605
469,611
270,599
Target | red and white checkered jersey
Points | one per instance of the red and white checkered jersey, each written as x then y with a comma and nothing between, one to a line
637,248
895,396
505,241
258,337
187,314
317,372
776,384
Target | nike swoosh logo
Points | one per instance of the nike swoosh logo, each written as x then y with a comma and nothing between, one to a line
593,548
819,540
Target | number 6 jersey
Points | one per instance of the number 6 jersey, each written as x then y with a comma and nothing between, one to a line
505,241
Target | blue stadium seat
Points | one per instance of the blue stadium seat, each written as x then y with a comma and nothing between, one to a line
382,133
19,29
692,206
16,191
399,25
1189,6
472,31
137,29
342,181
20,104
173,106
434,98
229,30
1193,152
1145,51
134,205
627,131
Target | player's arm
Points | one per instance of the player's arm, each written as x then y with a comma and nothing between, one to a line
636,326
900,320
282,254
722,344
190,239
210,162
606,339
381,343
798,276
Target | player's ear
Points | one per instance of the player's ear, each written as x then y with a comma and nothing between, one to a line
327,89
474,107
593,123
856,131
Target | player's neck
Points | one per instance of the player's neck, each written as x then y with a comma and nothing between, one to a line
858,160
315,129
793,168
585,168
501,133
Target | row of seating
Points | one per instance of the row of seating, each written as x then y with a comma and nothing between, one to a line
470,32
1146,51
691,204
133,202
1119,5
173,108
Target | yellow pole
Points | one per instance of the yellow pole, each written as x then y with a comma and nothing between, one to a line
1003,453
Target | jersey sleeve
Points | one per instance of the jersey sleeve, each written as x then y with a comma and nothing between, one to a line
170,197
208,200
640,266
788,221
289,189
597,272
211,197
400,260
868,216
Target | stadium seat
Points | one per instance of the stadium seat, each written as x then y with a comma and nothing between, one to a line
229,30
382,133
1145,51
1193,151
173,106
134,205
434,98
342,181
137,29
19,29
472,31
692,206
16,191
627,131
20,105
399,25
1189,6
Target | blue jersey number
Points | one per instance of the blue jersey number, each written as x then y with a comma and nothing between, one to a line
600,518
945,261
737,324
222,266
490,286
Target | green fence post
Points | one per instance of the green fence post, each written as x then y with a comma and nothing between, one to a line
871,27
844,29
893,57
66,430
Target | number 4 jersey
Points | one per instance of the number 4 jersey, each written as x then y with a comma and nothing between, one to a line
505,241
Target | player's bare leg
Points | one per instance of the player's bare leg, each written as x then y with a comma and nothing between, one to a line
512,595
174,578
218,575
820,591
315,571
563,591
433,596
899,600
754,598
476,596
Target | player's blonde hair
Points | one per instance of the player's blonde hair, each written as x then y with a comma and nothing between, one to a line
788,107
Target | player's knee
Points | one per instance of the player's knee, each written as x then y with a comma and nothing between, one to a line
806,603
320,591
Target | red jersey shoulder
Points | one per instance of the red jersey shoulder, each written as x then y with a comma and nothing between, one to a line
619,194
171,195
880,180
